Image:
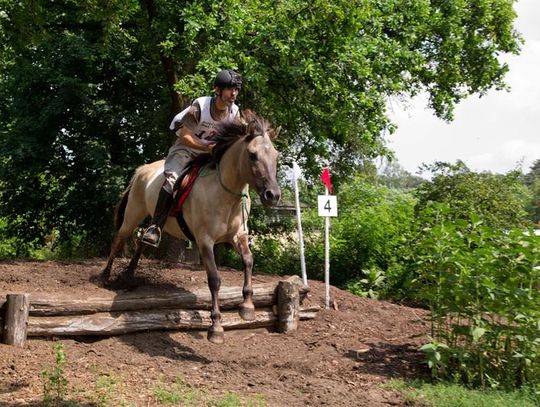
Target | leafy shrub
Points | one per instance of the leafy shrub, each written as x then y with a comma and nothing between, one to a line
276,254
369,285
8,245
369,232
366,238
482,287
55,383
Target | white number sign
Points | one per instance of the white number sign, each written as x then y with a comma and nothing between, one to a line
327,205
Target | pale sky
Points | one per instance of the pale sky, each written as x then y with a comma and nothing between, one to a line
493,133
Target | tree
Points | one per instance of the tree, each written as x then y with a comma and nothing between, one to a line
499,200
394,175
90,86
532,180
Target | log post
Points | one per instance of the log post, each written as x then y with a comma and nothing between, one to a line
288,306
16,318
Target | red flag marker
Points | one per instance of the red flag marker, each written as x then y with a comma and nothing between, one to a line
325,178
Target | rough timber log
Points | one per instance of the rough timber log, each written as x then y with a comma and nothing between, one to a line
105,323
118,313
16,317
288,305
264,295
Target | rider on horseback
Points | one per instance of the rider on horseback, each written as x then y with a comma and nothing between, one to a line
193,127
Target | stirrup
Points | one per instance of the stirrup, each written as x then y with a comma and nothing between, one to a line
146,239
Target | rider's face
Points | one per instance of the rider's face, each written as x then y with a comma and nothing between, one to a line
228,95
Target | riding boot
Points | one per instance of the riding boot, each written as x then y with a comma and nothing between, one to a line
152,235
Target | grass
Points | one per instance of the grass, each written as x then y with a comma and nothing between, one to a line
453,395
180,393
111,390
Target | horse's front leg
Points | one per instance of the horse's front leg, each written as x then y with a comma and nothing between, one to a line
127,278
215,332
247,309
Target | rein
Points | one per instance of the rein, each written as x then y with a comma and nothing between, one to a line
243,195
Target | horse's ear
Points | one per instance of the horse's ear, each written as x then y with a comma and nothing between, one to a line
275,133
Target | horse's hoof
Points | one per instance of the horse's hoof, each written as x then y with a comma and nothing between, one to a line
128,284
100,279
216,335
247,312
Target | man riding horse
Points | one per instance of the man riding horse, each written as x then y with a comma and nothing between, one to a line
194,129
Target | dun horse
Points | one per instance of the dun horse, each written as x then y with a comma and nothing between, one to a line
216,209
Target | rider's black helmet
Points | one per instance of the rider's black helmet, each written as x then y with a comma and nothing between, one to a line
228,79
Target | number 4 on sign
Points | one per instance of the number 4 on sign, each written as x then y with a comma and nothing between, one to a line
327,205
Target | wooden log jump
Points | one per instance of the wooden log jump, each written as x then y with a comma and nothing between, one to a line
25,315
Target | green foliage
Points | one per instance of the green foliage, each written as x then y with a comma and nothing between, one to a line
8,245
368,234
481,285
394,176
276,254
368,286
500,200
532,181
55,383
88,87
365,239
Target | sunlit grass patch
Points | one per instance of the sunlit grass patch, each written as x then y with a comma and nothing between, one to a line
453,395
181,393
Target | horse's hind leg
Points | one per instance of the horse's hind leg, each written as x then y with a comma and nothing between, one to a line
215,332
118,243
247,309
133,217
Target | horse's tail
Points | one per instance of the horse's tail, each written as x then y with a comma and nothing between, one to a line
120,209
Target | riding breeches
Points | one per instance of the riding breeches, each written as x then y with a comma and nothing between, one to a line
177,159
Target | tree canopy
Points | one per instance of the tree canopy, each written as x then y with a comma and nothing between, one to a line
500,201
88,87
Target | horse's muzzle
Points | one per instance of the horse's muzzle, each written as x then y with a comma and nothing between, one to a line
270,196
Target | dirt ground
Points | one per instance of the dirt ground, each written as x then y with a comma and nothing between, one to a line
343,357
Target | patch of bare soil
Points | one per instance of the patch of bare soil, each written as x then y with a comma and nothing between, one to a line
341,358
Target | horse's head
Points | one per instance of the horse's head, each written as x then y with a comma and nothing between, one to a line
249,141
261,158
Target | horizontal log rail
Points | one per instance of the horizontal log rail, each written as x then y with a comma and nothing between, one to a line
113,313
105,323
264,295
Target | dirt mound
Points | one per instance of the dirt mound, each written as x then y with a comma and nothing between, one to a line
341,358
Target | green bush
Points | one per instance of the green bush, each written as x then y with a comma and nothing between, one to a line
482,288
365,240
8,245
276,254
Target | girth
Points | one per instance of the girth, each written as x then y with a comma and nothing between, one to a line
182,188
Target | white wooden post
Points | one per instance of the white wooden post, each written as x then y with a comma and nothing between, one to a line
327,207
327,260
296,174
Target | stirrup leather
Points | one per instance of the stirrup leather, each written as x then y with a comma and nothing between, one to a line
149,236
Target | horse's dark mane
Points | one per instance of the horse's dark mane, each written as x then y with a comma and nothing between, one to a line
248,126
